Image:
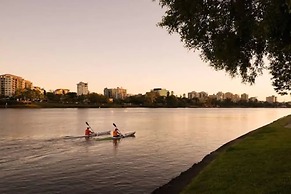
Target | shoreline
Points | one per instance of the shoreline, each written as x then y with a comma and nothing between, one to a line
177,184
126,105
52,106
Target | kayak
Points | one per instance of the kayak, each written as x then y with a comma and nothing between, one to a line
93,135
102,133
128,134
125,135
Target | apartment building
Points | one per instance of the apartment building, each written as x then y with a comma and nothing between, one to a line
203,95
193,94
115,93
244,97
200,95
271,99
9,84
82,88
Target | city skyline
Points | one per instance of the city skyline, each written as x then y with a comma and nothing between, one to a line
118,92
57,44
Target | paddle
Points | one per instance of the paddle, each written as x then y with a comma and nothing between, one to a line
94,134
118,130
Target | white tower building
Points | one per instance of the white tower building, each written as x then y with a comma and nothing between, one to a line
82,89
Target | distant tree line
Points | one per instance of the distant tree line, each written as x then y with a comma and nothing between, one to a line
153,100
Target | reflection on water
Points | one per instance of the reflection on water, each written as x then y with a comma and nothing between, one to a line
37,158
116,142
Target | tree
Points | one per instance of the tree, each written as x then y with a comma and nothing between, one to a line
160,100
172,101
136,100
70,97
236,35
28,94
97,98
150,98
51,97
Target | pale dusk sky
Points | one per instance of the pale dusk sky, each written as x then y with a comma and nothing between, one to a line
106,43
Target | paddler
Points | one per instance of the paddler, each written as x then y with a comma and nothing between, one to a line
88,133
116,133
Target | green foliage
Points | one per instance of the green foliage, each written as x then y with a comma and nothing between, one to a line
95,98
235,36
137,100
172,101
28,94
151,99
51,97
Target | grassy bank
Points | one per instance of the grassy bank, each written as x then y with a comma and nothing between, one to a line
259,162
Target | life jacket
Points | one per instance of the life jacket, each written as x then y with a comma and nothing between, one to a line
115,133
88,132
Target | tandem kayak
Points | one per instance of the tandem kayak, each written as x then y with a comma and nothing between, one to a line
102,133
93,135
125,135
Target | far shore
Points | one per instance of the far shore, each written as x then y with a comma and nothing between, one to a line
76,105
193,175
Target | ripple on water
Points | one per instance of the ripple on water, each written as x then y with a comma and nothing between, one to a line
167,142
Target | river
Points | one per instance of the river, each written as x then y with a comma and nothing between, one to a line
37,157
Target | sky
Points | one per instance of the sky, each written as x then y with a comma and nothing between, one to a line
107,43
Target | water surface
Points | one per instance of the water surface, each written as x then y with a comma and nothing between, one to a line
37,158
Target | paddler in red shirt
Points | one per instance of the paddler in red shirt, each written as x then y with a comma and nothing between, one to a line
116,133
88,133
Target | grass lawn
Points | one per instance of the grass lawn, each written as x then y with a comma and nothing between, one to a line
260,162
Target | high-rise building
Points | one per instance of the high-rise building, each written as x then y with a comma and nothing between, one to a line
193,94
82,88
245,97
199,95
9,84
271,99
115,93
202,95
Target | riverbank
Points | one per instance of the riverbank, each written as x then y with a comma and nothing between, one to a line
123,104
258,162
